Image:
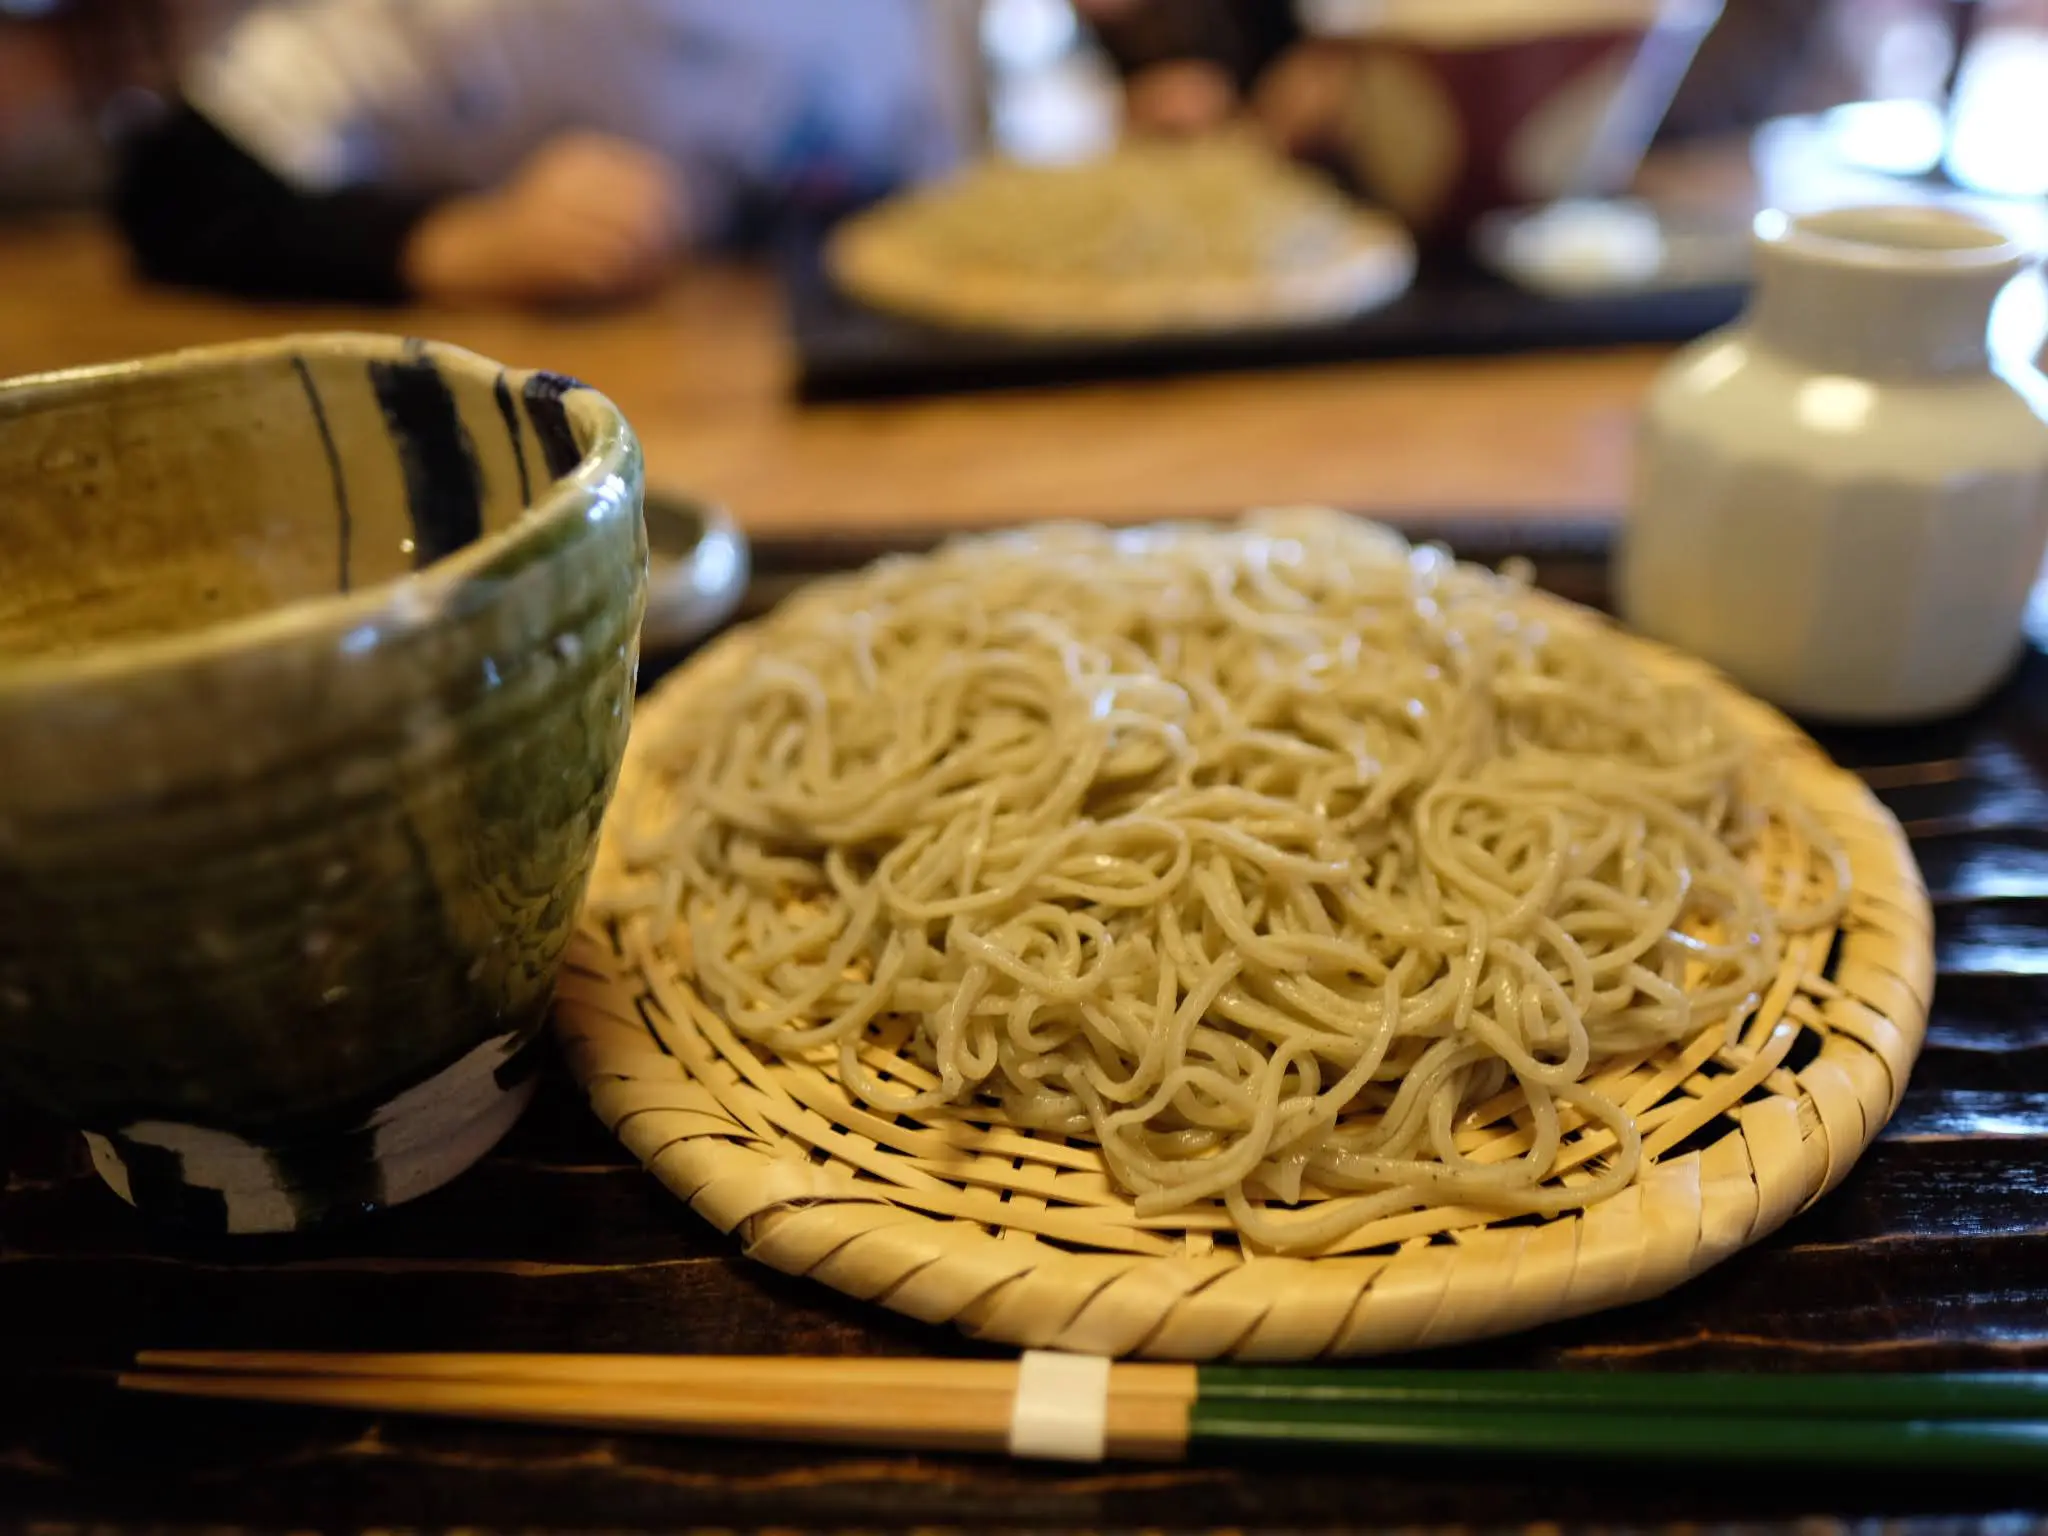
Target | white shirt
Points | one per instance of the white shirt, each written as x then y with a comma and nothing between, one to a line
448,95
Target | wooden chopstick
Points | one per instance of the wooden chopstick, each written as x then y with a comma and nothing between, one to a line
658,1370
925,1404
1871,1395
974,1423
1992,1421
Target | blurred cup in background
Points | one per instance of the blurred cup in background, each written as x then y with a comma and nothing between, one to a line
1459,108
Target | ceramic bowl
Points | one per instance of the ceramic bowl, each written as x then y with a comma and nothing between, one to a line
316,662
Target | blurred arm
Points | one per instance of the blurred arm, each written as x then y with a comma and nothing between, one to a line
379,150
519,151
199,210
286,169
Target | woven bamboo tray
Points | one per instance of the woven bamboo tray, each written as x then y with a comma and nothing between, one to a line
1020,1238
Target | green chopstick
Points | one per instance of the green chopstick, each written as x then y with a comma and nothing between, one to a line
1872,1395
2013,1445
1985,1422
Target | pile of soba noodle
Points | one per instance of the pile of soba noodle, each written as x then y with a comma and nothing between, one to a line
1257,855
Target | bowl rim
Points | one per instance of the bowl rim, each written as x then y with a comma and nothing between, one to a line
599,485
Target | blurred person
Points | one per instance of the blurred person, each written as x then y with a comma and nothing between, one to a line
1189,65
44,151
68,70
522,152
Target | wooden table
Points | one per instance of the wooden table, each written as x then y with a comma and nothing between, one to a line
701,371
1933,1254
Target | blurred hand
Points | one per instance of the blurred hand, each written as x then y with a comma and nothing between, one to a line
1105,10
1185,96
586,220
1300,101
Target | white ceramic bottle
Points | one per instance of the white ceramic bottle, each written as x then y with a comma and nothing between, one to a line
1842,499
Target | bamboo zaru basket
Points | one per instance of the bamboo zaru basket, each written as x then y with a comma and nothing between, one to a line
1020,1237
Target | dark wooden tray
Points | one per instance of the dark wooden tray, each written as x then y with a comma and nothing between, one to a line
845,350
1933,1254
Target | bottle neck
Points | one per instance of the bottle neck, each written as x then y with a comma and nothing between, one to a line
1880,292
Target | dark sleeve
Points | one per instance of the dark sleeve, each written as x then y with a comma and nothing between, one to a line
199,211
1244,36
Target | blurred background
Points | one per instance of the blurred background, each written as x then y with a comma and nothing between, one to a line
1953,89
1602,212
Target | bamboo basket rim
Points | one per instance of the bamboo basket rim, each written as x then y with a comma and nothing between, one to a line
1020,1238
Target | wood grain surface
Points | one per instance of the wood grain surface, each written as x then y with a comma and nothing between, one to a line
1933,1255
703,372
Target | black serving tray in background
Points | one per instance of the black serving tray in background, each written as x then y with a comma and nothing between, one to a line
845,350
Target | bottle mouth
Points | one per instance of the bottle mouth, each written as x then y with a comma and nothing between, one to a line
1890,238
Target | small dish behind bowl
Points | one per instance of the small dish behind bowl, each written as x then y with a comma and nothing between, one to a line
316,663
698,564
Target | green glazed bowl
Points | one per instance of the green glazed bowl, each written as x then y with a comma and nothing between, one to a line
316,663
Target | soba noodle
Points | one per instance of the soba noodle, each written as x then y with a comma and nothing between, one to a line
1256,855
